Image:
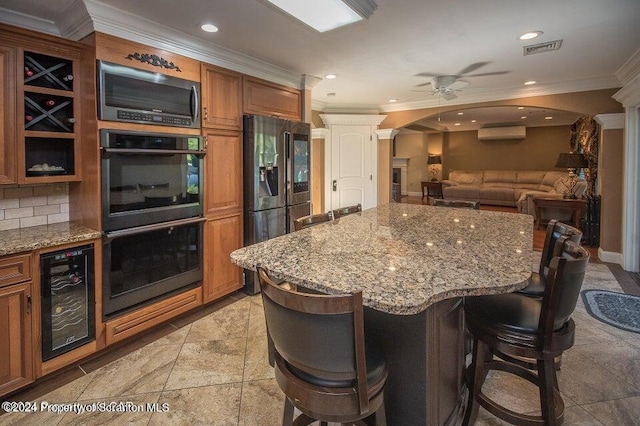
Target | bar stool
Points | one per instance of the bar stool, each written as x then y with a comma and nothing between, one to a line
555,230
343,211
311,220
317,347
516,325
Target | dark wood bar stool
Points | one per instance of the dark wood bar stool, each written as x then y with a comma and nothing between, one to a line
343,211
463,204
311,220
555,230
516,325
317,347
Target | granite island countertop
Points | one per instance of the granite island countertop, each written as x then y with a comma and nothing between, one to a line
403,257
44,236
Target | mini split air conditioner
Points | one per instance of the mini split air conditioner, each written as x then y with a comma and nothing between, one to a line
497,133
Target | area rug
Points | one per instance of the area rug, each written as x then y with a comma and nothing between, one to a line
616,309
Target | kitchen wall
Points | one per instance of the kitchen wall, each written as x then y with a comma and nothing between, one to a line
22,206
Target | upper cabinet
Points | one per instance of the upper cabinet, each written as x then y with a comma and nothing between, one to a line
7,114
49,104
261,97
41,113
221,105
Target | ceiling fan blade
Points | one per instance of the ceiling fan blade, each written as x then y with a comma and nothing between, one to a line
427,74
457,85
483,74
448,96
423,84
472,67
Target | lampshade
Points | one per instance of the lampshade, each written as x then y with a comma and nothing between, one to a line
434,159
571,160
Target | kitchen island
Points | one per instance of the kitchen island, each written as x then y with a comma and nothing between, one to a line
414,264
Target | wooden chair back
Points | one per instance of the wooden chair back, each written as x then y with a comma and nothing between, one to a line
311,220
343,211
319,340
556,229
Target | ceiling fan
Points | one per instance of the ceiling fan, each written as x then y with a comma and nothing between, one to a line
446,86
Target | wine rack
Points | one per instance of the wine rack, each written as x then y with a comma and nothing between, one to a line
50,125
47,71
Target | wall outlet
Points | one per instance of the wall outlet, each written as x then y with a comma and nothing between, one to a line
58,189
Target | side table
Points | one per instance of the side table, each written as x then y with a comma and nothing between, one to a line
431,189
577,207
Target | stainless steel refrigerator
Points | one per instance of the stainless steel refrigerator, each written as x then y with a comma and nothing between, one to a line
277,163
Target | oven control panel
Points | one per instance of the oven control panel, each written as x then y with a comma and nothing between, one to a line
153,119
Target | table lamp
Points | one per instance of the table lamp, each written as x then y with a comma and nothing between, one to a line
571,161
433,160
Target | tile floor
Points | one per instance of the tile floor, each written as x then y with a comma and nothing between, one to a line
211,369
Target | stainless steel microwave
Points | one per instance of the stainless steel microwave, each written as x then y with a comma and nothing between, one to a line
137,96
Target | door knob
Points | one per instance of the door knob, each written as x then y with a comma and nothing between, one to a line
335,185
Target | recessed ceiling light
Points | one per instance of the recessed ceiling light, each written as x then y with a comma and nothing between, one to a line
548,117
330,76
523,117
456,124
529,35
529,83
520,107
393,100
473,121
461,113
210,28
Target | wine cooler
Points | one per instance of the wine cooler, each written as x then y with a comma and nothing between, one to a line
68,300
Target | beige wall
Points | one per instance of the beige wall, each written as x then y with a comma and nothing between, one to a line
611,178
413,146
538,151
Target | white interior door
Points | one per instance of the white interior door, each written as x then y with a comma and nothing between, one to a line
353,171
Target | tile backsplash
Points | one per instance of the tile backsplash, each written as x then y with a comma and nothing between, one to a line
22,206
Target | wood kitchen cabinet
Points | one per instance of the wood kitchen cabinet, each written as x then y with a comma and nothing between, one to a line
223,173
7,114
41,110
16,346
221,100
262,97
221,237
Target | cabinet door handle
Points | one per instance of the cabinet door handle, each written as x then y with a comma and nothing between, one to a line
206,113
335,185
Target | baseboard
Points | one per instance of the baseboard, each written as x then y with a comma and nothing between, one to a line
610,256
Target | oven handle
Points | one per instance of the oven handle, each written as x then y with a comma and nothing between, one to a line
153,227
194,104
106,151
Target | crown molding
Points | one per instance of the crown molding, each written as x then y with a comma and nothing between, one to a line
321,133
610,121
630,69
75,22
310,81
386,133
352,119
27,21
122,24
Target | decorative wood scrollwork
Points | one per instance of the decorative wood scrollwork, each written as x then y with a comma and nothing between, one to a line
154,60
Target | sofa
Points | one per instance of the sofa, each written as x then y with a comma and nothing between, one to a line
514,188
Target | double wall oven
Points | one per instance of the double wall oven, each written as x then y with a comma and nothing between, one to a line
151,216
